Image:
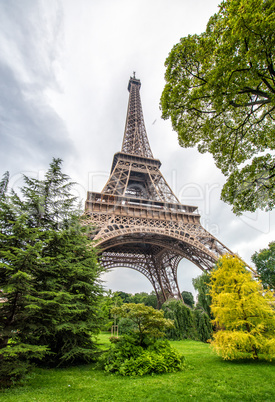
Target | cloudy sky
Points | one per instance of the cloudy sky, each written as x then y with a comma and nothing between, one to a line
64,71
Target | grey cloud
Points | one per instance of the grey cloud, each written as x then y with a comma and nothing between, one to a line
29,128
30,35
31,132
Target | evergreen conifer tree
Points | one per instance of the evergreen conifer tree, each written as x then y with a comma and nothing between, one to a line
49,275
19,249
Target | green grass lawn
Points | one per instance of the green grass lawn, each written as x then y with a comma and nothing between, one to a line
206,378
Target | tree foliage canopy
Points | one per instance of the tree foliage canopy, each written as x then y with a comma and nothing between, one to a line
220,95
188,298
265,264
243,312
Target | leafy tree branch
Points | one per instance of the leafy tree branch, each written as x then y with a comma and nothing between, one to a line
220,94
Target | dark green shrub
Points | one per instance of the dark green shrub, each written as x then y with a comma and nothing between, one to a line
12,371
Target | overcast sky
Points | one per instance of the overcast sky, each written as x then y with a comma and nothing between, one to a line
64,71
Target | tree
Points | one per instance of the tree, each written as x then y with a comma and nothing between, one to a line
203,325
220,95
108,301
202,285
4,185
49,275
151,300
66,295
150,323
188,298
48,203
19,249
183,317
142,351
243,312
145,298
202,312
265,264
138,298
125,297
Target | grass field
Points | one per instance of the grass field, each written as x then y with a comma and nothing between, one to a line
206,378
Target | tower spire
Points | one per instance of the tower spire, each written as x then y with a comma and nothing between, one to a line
135,140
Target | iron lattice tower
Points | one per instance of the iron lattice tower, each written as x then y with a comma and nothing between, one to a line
139,221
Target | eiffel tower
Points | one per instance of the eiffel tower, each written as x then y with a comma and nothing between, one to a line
139,222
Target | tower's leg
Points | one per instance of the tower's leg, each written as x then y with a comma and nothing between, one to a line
162,270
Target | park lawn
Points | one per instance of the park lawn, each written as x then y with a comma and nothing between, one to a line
206,378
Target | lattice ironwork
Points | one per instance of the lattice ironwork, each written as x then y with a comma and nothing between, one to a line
139,222
139,178
135,141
